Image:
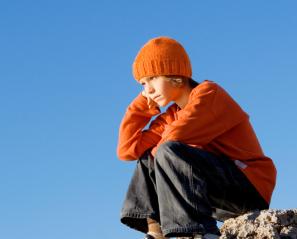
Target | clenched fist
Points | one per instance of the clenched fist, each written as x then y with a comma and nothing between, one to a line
150,102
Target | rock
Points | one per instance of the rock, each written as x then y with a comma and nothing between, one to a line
265,224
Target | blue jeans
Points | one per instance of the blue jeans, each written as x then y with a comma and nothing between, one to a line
180,188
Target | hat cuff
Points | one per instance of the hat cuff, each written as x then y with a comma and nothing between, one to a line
158,68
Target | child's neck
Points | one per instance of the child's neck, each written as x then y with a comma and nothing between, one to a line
182,101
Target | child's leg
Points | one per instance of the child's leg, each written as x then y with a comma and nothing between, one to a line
154,229
141,200
190,182
182,194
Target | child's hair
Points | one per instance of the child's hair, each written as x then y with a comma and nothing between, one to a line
179,81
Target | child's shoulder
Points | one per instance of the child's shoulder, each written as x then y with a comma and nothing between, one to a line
206,86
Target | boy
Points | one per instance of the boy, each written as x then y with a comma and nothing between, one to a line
196,159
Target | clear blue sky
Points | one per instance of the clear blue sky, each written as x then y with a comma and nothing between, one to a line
65,83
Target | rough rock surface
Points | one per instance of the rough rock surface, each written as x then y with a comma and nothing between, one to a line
266,224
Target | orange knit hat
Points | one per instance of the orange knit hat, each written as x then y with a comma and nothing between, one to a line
162,56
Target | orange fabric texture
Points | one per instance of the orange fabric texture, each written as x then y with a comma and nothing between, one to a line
162,56
211,120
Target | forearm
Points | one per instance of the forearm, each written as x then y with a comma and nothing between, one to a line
133,141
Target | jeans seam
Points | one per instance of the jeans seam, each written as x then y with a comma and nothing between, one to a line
137,215
192,187
187,229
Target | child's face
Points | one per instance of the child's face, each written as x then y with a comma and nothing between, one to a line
160,89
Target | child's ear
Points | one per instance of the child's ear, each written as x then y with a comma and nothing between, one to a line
180,82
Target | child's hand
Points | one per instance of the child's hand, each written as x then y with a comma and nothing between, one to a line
150,102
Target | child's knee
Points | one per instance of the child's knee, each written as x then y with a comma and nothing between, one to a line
167,147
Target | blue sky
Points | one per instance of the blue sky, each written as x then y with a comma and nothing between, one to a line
65,83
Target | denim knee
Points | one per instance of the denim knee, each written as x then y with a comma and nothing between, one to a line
168,153
167,146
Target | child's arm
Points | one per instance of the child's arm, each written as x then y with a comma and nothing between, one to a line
133,140
209,113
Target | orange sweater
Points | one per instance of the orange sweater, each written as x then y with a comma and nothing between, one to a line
211,120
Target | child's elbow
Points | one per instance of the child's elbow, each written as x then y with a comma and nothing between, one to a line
126,156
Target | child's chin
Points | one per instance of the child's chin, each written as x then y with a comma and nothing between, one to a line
162,104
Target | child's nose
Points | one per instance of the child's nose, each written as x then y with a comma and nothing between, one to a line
150,89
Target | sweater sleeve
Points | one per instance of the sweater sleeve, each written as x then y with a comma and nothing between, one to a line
133,140
209,113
